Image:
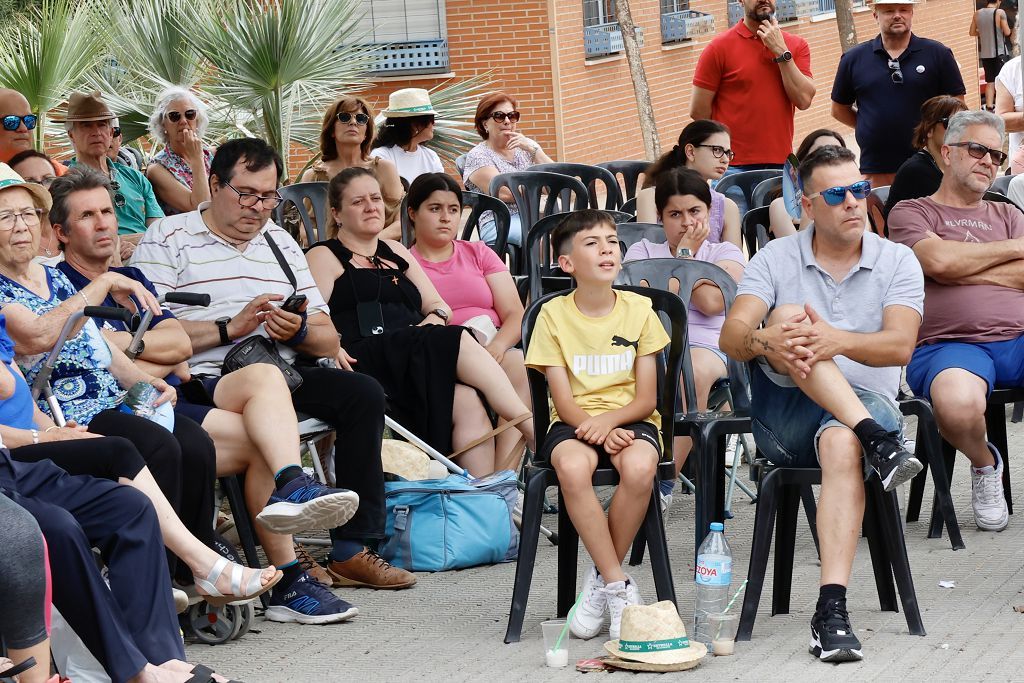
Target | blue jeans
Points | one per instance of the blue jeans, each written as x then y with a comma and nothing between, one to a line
489,233
787,424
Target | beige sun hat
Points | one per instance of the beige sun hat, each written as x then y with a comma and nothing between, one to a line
405,460
653,638
409,102
9,178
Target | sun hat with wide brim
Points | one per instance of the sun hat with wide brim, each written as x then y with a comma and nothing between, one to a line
653,636
87,107
409,102
9,179
405,460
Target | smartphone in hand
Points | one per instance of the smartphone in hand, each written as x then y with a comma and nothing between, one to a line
294,303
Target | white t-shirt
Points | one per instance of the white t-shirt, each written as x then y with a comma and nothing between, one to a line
411,165
1010,77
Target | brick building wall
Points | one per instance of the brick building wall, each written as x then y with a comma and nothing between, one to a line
587,113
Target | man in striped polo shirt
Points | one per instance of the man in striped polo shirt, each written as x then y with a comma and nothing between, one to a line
226,248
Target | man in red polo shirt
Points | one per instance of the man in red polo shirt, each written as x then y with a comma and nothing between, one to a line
750,78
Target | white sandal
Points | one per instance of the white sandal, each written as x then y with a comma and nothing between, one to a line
253,589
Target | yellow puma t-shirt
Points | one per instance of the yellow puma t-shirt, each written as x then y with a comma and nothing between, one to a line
598,353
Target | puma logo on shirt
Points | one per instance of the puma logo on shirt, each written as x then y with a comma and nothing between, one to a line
621,341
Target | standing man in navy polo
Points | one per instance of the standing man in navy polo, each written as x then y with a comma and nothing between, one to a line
888,78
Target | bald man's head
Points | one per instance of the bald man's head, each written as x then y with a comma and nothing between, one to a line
13,103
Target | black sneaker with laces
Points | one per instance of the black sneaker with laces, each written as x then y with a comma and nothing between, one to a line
893,463
832,638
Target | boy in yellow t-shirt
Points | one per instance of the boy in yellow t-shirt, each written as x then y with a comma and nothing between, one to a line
596,346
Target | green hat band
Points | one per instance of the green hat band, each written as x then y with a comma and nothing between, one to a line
654,645
422,107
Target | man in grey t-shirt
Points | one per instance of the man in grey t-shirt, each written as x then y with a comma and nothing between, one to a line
841,308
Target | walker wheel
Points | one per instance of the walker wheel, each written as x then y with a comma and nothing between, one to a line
246,614
213,625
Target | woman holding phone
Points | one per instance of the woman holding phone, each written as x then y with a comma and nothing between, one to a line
503,150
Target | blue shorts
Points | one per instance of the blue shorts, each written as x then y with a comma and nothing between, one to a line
787,424
1000,364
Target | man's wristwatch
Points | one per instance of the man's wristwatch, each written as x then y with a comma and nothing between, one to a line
222,327
784,57
442,314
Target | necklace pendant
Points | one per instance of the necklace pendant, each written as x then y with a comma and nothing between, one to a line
394,280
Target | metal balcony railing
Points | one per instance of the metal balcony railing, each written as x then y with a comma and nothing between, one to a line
685,25
605,39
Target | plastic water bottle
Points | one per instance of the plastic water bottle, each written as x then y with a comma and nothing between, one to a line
713,578
141,397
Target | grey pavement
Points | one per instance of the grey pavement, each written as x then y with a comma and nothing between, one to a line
450,626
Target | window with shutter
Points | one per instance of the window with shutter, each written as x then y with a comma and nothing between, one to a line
412,35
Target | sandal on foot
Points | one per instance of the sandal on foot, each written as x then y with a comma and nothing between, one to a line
253,589
18,669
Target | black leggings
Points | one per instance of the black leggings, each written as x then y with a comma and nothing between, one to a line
22,577
110,457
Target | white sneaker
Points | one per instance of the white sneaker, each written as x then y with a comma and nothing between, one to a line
666,503
990,513
620,594
588,619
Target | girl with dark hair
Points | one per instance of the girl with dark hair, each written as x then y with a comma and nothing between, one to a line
703,146
921,174
345,137
782,222
683,201
395,326
408,123
470,277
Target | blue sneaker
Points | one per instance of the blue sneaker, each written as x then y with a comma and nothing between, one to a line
308,602
304,503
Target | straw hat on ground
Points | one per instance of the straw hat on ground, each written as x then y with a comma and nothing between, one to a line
653,638
405,460
409,102
9,179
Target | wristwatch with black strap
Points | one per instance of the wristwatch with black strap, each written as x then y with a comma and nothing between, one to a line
222,327
441,313
784,57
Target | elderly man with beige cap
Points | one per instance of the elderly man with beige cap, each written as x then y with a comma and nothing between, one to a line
88,124
888,78
408,123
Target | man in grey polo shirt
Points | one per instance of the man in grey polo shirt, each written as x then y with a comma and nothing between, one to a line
841,308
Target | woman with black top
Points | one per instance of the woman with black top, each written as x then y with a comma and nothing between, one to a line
921,174
392,324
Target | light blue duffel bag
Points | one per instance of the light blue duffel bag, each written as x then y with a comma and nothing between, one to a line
451,523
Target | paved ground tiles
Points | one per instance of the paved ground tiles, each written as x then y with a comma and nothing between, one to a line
450,626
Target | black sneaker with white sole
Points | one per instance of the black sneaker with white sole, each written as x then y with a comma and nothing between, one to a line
893,463
832,638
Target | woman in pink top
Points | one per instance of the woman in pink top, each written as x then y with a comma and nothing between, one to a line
470,278
683,200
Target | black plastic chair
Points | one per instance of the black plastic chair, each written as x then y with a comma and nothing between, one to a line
540,475
629,206
590,176
1001,184
876,210
755,228
631,233
707,429
477,203
630,172
739,187
295,195
765,191
991,196
231,486
620,217
778,499
543,275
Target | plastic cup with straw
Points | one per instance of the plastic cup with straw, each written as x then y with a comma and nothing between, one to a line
553,654
727,646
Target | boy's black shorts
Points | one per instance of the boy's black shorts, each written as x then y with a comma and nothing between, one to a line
560,432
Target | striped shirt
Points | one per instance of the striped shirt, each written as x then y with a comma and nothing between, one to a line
181,254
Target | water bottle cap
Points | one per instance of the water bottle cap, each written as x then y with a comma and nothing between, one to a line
717,526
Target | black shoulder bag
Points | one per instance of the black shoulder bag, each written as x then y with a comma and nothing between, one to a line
259,349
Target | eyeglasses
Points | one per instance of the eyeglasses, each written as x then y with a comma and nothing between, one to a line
897,74
13,121
944,121
500,116
978,151
249,200
30,217
45,182
175,116
116,131
348,117
834,196
718,151
119,200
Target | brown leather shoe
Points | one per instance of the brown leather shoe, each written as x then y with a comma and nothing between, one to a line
369,570
315,570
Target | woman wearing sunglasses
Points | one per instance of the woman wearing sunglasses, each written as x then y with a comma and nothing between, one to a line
503,150
180,171
703,146
921,174
345,138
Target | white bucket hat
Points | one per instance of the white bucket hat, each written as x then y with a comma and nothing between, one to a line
653,638
409,102
9,179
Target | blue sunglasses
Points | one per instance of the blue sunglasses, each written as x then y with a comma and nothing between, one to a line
834,196
13,121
